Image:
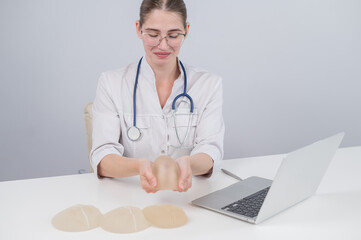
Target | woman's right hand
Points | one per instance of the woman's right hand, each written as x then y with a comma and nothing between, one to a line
147,179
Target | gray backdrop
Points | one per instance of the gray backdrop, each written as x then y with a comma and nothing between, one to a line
291,72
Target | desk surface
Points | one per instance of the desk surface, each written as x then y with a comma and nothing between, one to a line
27,206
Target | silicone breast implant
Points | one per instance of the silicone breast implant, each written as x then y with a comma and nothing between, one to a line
165,216
124,220
167,172
77,218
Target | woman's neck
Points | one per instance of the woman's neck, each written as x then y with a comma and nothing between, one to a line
167,72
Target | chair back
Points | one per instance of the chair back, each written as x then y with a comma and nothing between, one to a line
88,118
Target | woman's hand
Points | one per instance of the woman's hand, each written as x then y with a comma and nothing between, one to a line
185,177
147,179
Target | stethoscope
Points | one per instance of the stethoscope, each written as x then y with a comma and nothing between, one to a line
134,132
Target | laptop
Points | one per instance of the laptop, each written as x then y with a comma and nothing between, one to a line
256,199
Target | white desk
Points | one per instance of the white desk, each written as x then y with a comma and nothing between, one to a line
27,206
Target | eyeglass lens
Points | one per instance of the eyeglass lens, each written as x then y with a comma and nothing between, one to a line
154,39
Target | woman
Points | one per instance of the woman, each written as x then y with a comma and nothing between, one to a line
133,120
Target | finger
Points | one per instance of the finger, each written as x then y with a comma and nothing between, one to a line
185,186
182,181
181,185
145,184
152,180
185,181
148,189
188,183
145,188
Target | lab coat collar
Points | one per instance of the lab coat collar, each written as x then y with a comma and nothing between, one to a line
147,70
181,70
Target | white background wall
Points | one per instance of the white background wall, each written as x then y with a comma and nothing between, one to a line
291,71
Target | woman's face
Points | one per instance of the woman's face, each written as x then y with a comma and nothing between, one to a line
160,23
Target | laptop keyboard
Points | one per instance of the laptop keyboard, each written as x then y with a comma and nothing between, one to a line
248,206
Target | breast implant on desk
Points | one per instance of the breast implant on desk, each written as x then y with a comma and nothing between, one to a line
129,219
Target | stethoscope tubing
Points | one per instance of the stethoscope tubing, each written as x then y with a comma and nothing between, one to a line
135,93
184,94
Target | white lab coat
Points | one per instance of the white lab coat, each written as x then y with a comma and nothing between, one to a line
113,115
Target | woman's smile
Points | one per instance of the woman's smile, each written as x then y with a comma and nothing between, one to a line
162,54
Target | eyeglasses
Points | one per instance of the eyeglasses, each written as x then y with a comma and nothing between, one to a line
154,38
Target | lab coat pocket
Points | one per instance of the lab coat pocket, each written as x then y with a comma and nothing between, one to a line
183,128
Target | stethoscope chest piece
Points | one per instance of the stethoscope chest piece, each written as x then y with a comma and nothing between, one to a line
134,133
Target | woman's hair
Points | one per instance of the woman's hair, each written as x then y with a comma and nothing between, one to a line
177,6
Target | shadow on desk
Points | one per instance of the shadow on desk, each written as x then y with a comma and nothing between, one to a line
323,211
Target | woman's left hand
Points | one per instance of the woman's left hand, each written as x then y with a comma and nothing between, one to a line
185,177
